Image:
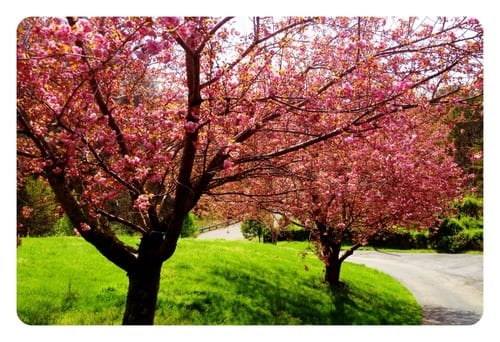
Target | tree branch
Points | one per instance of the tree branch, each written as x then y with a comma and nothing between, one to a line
122,221
350,251
211,33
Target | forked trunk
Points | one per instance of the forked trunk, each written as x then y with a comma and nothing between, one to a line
142,295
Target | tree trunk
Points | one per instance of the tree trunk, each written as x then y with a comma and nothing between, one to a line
332,272
144,283
142,295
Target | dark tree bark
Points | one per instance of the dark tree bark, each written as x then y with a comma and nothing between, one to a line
333,265
331,245
332,273
144,283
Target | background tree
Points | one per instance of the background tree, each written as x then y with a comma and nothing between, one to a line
210,92
37,208
351,189
252,228
467,136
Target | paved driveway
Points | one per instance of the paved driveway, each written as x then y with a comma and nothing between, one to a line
449,287
232,232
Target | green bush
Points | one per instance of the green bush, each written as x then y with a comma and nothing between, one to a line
459,234
450,227
297,235
38,196
469,222
467,239
443,239
189,227
471,206
399,238
63,227
420,239
464,232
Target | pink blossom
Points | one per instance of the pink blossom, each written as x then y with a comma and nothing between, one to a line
168,123
170,21
63,33
191,126
84,227
348,89
348,139
76,50
402,86
93,117
83,25
272,91
473,21
476,156
153,47
132,161
26,212
184,32
142,202
228,164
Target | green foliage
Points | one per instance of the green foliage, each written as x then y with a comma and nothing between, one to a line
189,227
467,137
469,239
400,238
464,232
454,234
471,206
63,227
253,228
37,195
65,281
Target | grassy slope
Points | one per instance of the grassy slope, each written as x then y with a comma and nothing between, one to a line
65,281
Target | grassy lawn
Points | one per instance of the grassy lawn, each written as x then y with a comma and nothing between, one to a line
64,280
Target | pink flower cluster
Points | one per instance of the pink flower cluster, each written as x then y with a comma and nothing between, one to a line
142,202
190,126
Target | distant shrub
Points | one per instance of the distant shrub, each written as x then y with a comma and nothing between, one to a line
469,222
36,198
400,238
450,227
421,239
63,227
443,238
469,239
471,206
459,234
189,227
294,232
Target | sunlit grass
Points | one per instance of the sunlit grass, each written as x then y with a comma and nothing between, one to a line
64,280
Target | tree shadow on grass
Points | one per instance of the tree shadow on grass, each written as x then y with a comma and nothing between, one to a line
243,295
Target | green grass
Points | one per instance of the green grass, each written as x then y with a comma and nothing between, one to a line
64,280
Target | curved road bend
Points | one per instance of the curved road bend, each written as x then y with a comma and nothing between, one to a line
449,287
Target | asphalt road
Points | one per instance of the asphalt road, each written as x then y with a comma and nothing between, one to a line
232,232
449,287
